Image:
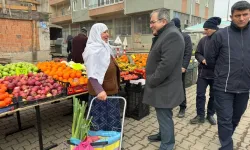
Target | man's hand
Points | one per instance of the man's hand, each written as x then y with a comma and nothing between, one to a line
102,96
204,62
183,70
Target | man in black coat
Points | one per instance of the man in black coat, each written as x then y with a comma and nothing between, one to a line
185,63
205,74
163,89
230,59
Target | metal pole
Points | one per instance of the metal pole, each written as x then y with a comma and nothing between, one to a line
228,9
4,7
191,11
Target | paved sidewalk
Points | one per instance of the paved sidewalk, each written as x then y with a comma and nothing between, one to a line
56,128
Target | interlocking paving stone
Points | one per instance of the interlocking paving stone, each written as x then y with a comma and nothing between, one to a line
57,128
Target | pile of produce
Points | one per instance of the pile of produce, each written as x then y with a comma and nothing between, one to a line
5,97
62,72
140,60
33,86
76,66
140,72
123,58
11,69
123,63
126,75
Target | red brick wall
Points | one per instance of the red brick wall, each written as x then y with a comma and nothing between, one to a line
16,35
197,10
184,6
206,12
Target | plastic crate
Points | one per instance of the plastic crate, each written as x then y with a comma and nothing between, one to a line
135,108
189,78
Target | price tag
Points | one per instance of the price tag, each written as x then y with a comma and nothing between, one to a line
21,71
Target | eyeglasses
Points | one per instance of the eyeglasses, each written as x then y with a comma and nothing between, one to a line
153,22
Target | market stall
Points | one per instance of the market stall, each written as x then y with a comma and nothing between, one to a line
26,86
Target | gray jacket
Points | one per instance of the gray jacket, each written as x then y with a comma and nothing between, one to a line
163,87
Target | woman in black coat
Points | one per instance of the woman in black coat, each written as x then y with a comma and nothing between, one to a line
69,46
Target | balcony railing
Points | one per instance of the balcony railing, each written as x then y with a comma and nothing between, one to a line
102,3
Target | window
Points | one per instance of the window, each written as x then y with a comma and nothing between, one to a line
87,25
142,24
63,11
109,24
100,3
74,31
123,26
83,4
74,5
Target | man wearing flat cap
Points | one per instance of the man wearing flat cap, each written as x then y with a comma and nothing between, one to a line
205,74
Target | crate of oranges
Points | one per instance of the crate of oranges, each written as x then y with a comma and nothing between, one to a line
66,75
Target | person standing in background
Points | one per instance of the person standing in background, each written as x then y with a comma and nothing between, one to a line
205,74
69,47
185,63
78,46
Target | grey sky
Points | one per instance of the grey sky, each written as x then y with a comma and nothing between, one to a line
220,8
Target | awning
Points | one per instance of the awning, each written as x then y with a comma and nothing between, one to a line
50,25
199,27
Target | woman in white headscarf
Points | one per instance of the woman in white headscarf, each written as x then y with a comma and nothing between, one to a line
104,79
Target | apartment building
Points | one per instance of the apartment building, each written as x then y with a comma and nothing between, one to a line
130,18
24,29
61,20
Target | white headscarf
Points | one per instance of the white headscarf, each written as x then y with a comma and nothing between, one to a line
97,53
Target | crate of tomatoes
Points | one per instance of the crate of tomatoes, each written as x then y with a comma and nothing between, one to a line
7,102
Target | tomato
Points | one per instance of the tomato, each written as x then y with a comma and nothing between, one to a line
7,100
2,104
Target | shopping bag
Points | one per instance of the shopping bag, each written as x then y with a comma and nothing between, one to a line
84,146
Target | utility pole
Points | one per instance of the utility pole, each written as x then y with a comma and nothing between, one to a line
191,12
228,9
4,7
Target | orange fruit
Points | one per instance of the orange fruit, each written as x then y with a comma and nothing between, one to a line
66,75
7,100
2,104
59,73
70,79
60,78
72,75
55,76
78,74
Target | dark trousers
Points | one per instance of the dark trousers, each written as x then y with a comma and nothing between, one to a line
201,97
183,105
166,124
229,109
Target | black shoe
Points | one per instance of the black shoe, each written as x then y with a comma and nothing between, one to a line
154,138
211,120
181,113
197,119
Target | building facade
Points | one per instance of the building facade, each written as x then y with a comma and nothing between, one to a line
24,34
61,20
130,18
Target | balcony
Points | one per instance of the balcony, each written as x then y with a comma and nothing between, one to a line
101,9
58,2
58,19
